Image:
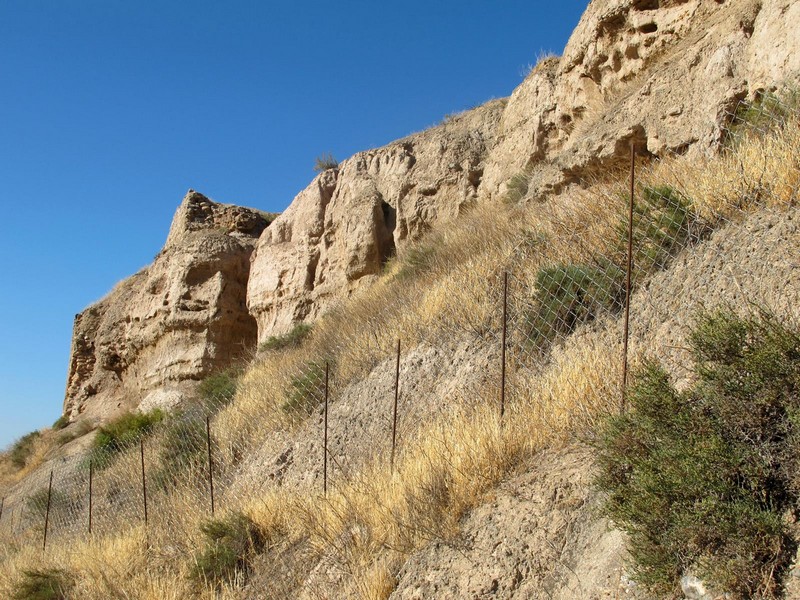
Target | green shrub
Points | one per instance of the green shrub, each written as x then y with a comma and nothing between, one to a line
231,544
416,260
218,389
568,295
663,224
49,584
61,422
704,479
122,433
324,162
36,504
305,390
23,448
289,340
517,187
760,116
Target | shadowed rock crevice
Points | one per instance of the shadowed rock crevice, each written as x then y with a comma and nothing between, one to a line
387,224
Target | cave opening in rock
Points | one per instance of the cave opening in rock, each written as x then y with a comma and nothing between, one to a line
386,245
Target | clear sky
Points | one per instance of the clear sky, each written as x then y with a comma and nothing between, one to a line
111,110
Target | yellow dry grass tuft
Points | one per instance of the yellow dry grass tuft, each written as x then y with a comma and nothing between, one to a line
758,170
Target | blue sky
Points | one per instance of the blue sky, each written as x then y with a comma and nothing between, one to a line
110,111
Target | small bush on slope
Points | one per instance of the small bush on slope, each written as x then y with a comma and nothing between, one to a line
119,434
61,422
291,339
663,224
219,388
568,295
22,449
231,543
182,451
305,391
51,584
703,479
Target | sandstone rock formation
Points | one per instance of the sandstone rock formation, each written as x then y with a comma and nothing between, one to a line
338,232
172,322
661,73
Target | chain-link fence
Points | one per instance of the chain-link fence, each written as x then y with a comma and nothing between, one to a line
594,282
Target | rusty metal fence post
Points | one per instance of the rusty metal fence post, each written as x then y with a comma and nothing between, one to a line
91,477
503,348
210,463
47,512
394,413
2,504
629,269
325,438
144,481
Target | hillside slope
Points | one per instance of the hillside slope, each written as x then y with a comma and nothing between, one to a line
426,437
660,74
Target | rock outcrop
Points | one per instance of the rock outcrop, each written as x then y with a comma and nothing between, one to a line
664,74
338,232
174,321
661,73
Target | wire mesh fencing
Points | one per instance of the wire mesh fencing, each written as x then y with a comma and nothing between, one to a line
597,283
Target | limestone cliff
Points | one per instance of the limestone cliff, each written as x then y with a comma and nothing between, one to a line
663,73
174,321
338,232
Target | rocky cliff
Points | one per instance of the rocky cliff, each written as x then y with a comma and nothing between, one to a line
338,233
661,73
174,321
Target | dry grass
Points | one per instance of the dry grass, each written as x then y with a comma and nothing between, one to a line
757,171
42,449
371,522
123,566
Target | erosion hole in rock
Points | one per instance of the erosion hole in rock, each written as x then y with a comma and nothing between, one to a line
386,233
648,28
646,4
311,272
198,274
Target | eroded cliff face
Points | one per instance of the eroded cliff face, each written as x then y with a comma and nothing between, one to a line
174,321
661,73
338,232
664,74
